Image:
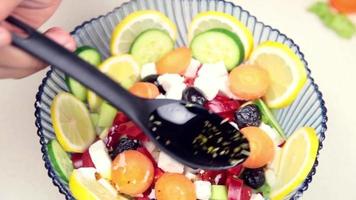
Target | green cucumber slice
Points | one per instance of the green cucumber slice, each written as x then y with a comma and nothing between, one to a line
93,57
268,117
94,118
60,160
151,45
106,115
217,45
218,192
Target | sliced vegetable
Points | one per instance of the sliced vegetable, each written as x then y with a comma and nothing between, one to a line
151,45
218,192
335,21
345,6
145,90
261,147
268,118
94,118
92,56
60,160
249,82
217,45
175,62
265,190
106,115
132,172
234,186
174,186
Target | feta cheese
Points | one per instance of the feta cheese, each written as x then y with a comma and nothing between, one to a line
272,133
190,175
224,87
257,197
213,70
208,86
170,80
101,159
202,190
175,92
192,69
152,194
168,164
148,69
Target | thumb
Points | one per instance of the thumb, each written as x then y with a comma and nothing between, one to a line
5,37
61,37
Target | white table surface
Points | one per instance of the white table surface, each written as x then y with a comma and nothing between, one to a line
331,59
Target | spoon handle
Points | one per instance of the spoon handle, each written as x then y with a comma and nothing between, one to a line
52,53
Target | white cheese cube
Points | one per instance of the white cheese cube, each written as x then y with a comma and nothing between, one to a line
101,159
192,69
213,70
208,86
168,164
148,69
257,197
170,80
225,88
152,195
202,190
175,92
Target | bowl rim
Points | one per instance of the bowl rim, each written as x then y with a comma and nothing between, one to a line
38,98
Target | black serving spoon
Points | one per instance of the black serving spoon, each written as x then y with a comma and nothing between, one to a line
188,133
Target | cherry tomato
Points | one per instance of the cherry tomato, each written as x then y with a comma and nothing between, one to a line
171,186
132,172
345,6
261,147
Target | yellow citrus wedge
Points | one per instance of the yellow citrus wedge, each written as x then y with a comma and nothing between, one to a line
84,186
71,122
134,24
212,19
297,159
286,72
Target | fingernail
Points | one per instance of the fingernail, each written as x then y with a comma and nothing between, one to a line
4,37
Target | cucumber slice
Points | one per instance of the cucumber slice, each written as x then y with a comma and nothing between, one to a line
217,45
268,117
151,45
93,57
106,115
94,118
218,192
60,160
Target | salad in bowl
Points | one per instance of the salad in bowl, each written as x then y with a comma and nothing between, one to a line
261,86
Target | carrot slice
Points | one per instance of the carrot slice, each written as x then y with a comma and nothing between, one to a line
249,82
175,62
261,147
145,90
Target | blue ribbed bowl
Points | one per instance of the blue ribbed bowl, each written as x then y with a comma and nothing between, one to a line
307,110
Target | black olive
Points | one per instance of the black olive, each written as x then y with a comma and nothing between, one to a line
153,79
249,115
193,95
125,144
254,178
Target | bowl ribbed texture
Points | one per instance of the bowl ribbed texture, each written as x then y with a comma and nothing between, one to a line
307,110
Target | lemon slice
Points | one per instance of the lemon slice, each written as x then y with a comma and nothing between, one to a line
286,72
84,186
122,69
71,122
212,19
134,24
297,159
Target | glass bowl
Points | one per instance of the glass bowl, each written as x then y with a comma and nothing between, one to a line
307,110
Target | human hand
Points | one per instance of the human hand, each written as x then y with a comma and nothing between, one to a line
14,63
